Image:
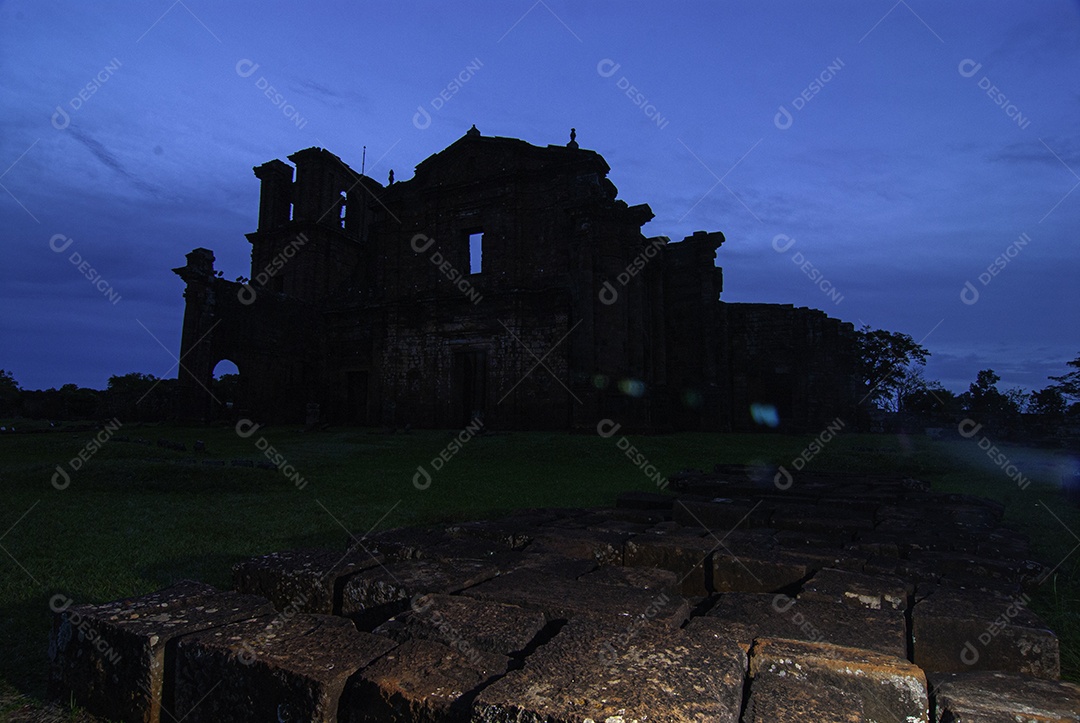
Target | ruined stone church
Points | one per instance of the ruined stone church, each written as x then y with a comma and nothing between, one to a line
504,282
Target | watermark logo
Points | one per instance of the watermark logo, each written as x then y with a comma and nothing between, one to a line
607,68
422,119
968,428
969,654
61,480
784,118
783,604
968,68
245,428
424,605
246,68
246,294
607,429
60,243
421,243
969,294
783,478
422,479
782,243
73,623
608,293
61,119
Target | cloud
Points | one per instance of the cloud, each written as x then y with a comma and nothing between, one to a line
111,162
1050,151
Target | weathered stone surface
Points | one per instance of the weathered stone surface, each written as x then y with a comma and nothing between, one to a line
562,599
687,557
989,697
773,700
580,675
300,580
113,657
642,578
747,616
373,595
513,535
963,630
553,564
464,623
852,588
889,688
271,669
740,570
1023,573
421,681
606,548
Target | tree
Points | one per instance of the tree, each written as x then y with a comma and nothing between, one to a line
9,393
1069,384
138,396
933,402
888,366
985,401
1049,402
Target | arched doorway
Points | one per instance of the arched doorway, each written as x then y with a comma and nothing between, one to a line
226,385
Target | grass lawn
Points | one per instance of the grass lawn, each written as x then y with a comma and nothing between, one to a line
136,517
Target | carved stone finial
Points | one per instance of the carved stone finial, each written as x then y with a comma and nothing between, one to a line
391,178
573,139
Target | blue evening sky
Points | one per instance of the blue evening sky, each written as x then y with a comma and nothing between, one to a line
903,146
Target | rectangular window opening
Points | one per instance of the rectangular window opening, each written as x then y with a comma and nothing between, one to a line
476,252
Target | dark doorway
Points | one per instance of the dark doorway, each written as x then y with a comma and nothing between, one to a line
356,396
470,386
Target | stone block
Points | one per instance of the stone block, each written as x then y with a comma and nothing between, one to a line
641,578
670,676
888,688
421,681
306,581
606,548
735,570
372,596
688,557
464,623
964,630
989,697
852,588
275,668
113,658
747,616
562,599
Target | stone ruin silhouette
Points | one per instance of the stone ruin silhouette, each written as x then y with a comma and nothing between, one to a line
428,303
839,598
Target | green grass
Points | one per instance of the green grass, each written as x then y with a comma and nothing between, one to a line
136,518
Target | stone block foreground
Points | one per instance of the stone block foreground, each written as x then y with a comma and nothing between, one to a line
839,598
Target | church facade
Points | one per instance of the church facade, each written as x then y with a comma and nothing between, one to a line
505,283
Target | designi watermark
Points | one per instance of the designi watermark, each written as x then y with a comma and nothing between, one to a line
783,478
245,428
607,68
422,119
422,479
969,294
784,118
968,68
61,119
607,429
